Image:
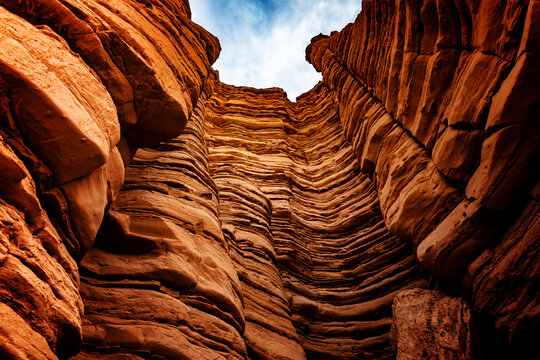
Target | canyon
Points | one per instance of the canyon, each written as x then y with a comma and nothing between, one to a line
150,211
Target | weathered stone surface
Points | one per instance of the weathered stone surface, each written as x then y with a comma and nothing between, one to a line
40,306
251,187
268,229
82,85
446,95
151,57
63,111
245,214
429,325
512,267
322,208
160,279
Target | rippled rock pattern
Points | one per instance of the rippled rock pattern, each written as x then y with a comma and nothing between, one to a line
322,208
83,84
159,279
438,100
150,211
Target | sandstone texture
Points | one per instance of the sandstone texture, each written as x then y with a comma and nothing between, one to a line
429,325
428,97
83,84
229,227
149,211
322,208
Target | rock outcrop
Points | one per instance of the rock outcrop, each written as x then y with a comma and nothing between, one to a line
150,211
429,325
82,86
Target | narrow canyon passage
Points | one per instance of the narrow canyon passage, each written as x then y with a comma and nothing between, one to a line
339,264
150,211
289,233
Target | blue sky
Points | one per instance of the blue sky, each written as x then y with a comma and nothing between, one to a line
263,41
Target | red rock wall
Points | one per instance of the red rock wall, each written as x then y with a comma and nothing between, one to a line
268,229
235,223
339,264
440,102
83,84
160,279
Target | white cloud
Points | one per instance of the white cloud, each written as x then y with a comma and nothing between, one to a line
267,49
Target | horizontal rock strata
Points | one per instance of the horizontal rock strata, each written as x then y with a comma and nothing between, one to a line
339,264
83,84
235,221
159,279
149,211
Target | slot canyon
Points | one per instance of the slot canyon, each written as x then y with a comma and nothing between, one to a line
150,211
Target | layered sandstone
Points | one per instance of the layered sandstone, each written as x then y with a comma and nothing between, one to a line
322,208
159,279
440,103
211,221
82,85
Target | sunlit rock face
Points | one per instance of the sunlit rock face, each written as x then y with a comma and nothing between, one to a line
149,211
83,84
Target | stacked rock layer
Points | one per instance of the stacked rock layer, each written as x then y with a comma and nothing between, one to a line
438,99
211,221
229,228
322,208
83,84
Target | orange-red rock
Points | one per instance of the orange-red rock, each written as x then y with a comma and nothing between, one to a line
267,229
322,208
82,85
441,86
429,325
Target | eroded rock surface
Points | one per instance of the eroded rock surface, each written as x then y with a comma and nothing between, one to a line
181,297
429,325
233,222
211,221
437,99
322,208
83,84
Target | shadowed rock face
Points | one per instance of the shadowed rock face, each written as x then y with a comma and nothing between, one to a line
428,97
150,211
429,325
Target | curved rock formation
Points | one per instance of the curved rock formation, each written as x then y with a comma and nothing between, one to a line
322,208
159,276
212,221
433,113
82,85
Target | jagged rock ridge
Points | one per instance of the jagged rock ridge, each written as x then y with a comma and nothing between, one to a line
267,229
